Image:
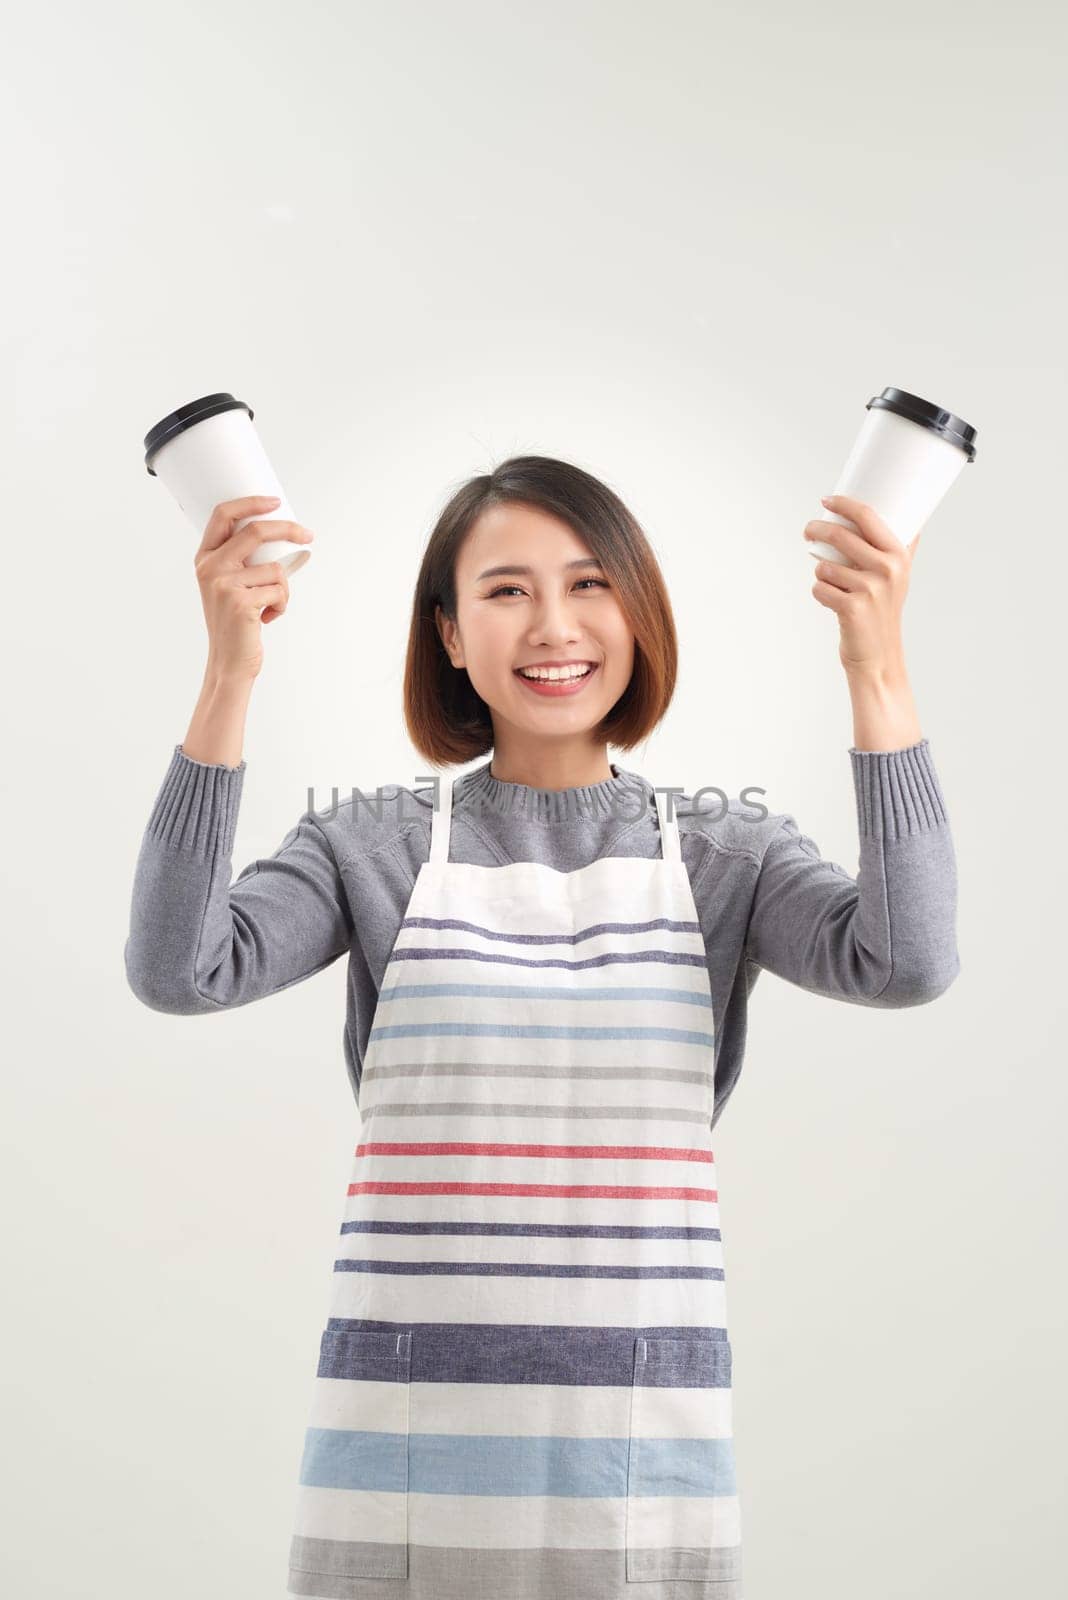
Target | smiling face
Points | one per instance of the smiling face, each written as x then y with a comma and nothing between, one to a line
555,604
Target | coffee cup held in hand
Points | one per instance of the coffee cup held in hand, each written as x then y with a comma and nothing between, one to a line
904,459
207,452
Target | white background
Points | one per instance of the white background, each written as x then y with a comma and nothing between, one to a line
681,245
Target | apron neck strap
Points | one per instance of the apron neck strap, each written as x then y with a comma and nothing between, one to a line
670,845
440,822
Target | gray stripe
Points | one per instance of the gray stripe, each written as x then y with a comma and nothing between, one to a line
466,1108
434,1573
533,1069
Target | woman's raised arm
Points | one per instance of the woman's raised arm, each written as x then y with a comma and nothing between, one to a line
196,943
888,936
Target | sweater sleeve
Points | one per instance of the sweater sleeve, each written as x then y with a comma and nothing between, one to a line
198,943
887,937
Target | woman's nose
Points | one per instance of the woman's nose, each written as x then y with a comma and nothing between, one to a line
554,618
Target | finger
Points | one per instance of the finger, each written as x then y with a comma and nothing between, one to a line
867,519
272,597
221,522
828,595
847,540
257,575
847,579
253,534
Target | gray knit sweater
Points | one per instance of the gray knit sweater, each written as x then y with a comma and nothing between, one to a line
340,881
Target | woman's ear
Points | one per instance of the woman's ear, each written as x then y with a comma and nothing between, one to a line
447,633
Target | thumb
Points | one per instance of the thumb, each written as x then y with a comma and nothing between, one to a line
915,542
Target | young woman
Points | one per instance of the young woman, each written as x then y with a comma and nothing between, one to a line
524,1382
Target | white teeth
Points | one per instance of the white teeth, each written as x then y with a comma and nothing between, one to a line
554,674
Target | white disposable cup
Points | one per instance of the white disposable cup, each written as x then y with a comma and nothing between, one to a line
208,451
904,459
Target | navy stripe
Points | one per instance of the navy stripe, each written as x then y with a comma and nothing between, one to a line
610,958
522,1269
490,1352
540,1230
553,938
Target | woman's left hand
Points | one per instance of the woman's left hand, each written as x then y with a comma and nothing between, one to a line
868,596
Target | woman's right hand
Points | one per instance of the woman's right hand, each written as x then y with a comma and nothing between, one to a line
233,594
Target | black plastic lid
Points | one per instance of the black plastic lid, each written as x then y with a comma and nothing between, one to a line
953,429
196,411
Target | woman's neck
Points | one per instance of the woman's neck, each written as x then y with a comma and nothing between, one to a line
618,795
556,766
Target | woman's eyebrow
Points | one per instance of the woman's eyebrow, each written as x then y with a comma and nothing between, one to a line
526,572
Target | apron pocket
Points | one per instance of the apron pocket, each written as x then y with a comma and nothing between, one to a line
682,1507
352,1504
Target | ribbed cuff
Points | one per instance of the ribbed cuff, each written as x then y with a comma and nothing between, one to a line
897,791
197,805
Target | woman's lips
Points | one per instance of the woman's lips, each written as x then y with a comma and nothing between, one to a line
557,687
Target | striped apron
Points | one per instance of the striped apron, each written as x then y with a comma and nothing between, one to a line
524,1384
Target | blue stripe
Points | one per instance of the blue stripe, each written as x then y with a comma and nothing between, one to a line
505,1464
339,1458
493,1030
503,991
682,1466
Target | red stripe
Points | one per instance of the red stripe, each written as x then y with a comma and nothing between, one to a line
581,1191
584,1152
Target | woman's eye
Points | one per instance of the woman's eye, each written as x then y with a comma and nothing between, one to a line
514,588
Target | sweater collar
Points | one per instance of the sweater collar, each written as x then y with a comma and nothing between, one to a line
595,802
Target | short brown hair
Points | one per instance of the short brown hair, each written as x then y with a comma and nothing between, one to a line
448,721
